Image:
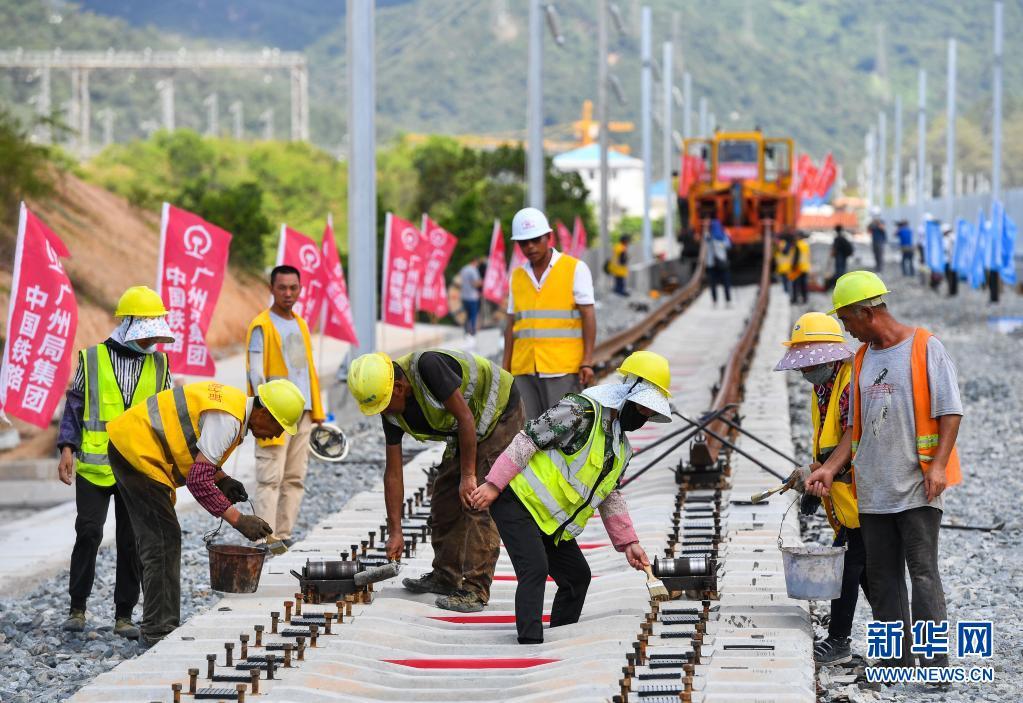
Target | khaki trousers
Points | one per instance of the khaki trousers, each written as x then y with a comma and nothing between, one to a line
280,479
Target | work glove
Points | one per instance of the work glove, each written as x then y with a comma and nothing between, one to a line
808,504
253,527
233,489
797,479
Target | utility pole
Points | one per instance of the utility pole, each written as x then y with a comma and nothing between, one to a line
950,135
268,124
362,168
996,108
897,155
667,82
646,96
166,90
45,105
922,172
237,110
212,104
704,130
687,105
871,168
534,108
85,114
602,116
106,115
882,148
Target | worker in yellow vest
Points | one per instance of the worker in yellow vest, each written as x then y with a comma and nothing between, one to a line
783,258
799,270
120,373
618,266
551,327
905,394
564,466
278,346
182,437
817,349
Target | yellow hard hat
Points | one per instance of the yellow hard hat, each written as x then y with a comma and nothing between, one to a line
140,301
857,287
650,367
815,327
371,381
284,401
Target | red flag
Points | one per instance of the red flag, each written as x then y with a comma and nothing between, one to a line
693,168
403,271
517,259
579,235
495,283
339,324
826,176
42,320
298,250
193,261
436,248
564,237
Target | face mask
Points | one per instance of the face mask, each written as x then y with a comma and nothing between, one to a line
630,418
136,347
818,375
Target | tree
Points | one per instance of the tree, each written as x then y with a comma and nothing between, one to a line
237,209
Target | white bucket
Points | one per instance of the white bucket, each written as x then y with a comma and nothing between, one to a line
814,572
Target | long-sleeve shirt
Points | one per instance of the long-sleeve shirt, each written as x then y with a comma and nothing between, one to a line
567,426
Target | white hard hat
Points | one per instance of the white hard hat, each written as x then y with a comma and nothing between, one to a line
875,211
529,223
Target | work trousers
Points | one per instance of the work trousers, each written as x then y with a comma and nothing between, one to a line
854,577
280,479
472,311
619,288
92,502
150,506
465,542
952,278
720,275
534,556
799,288
907,262
893,542
878,247
541,394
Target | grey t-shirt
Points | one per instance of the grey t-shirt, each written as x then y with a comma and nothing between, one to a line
888,475
470,276
293,350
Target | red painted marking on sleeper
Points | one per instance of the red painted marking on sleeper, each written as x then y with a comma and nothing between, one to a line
495,663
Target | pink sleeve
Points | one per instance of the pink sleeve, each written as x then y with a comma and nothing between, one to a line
200,484
512,460
614,513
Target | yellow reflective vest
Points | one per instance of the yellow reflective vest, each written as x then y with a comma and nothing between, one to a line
562,491
840,507
274,366
548,328
159,437
802,248
105,402
616,267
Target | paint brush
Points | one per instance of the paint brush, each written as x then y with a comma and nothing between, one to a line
654,586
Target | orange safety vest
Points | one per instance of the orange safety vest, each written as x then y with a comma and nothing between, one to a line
548,330
926,426
159,437
274,366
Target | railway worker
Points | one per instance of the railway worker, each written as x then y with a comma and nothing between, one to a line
551,327
878,237
718,268
799,273
470,403
905,235
818,351
618,267
905,412
182,437
119,373
278,346
841,250
559,468
783,258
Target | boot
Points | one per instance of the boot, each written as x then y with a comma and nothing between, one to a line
462,601
427,583
123,627
75,622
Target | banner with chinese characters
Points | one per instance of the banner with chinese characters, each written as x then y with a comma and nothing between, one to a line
298,250
564,238
193,262
495,283
338,318
435,249
403,271
41,324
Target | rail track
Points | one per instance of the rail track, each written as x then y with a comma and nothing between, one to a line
324,638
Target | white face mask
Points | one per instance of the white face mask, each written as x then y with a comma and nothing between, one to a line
135,346
818,375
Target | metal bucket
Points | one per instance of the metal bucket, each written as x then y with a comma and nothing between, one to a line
814,572
235,568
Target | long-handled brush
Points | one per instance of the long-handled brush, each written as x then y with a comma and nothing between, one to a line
655,586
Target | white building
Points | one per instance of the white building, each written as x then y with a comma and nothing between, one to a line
624,181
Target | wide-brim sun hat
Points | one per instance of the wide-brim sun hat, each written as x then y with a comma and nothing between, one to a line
640,392
149,328
801,356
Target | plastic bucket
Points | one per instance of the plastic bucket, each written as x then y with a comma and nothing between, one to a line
814,572
235,568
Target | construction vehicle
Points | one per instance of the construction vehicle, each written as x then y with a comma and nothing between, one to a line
741,179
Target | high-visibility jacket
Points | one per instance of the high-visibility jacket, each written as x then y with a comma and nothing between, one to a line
159,437
840,507
561,491
104,402
926,426
801,251
485,387
274,366
616,267
548,329
783,259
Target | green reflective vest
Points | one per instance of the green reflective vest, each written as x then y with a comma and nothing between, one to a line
485,387
561,491
104,402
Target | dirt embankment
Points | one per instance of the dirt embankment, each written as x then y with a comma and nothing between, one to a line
113,246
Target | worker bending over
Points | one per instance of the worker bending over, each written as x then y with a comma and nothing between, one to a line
561,467
182,437
818,351
470,403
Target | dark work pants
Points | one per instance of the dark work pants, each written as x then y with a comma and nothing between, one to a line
854,576
92,502
907,261
720,276
953,280
893,542
158,535
878,247
541,394
620,286
534,555
472,311
799,289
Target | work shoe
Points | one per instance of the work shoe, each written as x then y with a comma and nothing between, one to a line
832,651
123,627
75,622
461,601
427,583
